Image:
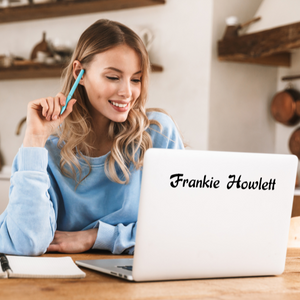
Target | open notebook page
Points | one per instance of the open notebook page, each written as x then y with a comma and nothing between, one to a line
38,267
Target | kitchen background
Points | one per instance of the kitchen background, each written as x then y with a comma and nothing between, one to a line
217,105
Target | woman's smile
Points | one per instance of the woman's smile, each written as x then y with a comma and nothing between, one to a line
120,106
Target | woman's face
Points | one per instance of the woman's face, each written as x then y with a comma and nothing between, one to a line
113,83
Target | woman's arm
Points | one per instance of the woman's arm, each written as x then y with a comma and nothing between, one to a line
28,224
73,241
114,238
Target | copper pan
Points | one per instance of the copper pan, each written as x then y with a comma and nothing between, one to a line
285,107
294,142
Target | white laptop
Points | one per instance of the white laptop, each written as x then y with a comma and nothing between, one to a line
206,214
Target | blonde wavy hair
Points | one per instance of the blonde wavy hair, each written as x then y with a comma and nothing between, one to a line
130,138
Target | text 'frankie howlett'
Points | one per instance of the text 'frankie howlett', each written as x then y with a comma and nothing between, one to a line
177,180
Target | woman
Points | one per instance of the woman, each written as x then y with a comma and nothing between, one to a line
76,179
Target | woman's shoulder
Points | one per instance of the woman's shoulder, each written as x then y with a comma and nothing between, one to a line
163,131
160,116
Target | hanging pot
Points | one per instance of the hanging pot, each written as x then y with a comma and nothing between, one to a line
285,107
294,143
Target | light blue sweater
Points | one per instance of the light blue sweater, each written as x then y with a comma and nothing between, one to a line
42,200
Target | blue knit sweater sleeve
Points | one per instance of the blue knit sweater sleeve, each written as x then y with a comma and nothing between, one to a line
28,224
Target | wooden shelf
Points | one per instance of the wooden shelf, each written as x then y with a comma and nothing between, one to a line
68,8
269,47
42,71
30,72
156,68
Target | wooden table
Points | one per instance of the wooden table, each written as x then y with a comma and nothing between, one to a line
100,286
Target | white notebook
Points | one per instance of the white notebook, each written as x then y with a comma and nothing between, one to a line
41,267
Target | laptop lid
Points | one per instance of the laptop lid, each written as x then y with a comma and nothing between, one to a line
205,214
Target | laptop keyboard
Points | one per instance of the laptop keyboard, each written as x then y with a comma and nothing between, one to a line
129,268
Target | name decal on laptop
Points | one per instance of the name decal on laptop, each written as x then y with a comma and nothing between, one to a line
177,180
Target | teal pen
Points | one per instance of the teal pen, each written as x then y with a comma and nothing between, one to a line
72,91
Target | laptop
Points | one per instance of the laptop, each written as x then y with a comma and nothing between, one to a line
207,214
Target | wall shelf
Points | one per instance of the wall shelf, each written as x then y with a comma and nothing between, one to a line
59,9
68,8
42,71
31,72
269,47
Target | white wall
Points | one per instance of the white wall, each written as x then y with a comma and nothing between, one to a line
181,46
275,13
240,94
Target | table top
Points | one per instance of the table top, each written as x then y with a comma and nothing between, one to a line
101,286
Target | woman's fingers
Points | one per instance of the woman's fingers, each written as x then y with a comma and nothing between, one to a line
57,108
39,105
69,109
60,101
54,107
50,102
51,107
45,107
57,243
62,98
53,248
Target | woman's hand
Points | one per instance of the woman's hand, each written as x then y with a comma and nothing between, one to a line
43,118
73,242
